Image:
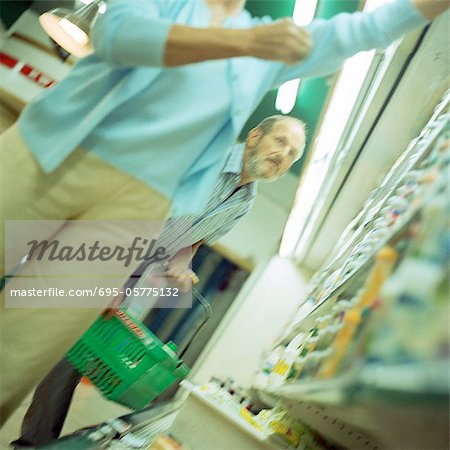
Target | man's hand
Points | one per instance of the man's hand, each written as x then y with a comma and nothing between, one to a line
182,277
280,41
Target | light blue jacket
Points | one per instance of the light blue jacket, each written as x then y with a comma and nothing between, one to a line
129,41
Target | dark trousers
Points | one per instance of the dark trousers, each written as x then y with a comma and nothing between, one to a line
45,417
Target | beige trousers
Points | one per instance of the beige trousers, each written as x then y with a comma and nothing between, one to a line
84,187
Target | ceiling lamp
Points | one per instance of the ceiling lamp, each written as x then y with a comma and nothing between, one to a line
70,29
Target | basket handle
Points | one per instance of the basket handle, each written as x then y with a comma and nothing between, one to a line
135,276
208,310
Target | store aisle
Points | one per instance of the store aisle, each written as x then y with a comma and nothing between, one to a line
88,408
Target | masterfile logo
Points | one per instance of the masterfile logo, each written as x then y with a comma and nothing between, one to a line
54,251
90,264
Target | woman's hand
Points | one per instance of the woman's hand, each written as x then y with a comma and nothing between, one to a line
279,41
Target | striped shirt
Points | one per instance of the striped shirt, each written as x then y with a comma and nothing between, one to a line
226,205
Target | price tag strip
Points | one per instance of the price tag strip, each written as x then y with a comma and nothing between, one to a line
32,73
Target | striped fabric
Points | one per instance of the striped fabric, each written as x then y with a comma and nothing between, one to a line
225,207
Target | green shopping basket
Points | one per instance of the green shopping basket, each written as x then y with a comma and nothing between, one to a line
125,361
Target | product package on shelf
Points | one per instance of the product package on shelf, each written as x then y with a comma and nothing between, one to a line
272,428
412,322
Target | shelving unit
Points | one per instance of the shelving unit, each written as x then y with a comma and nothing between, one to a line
371,404
416,152
378,138
370,401
360,271
225,428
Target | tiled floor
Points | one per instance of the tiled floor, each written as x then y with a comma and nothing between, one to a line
88,408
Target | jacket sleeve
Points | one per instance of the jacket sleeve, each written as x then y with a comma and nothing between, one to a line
133,32
344,35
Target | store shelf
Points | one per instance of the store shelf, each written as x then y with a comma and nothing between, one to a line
425,149
346,282
323,418
418,150
405,404
235,419
376,405
412,382
205,422
411,102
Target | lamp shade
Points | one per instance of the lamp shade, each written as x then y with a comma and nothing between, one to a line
70,29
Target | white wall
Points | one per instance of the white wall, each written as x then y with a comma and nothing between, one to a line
255,321
257,236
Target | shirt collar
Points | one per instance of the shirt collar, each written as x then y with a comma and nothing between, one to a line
252,188
233,165
235,159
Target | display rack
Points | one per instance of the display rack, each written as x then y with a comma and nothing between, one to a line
371,405
235,420
416,152
418,149
360,271
371,401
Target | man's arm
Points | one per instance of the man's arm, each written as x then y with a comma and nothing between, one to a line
179,267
